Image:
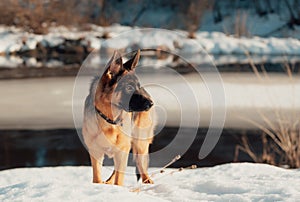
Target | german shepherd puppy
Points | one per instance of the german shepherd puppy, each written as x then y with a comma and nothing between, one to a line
117,117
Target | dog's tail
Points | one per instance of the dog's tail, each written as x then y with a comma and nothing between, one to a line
137,173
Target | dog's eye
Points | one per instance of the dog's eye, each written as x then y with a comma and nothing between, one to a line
129,88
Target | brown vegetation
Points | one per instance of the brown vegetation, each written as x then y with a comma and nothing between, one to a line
36,15
280,138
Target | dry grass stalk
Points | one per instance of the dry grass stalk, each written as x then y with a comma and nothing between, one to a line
281,138
240,25
267,156
145,188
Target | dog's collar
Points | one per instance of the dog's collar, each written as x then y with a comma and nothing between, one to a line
118,121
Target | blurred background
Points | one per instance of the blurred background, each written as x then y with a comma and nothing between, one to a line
254,45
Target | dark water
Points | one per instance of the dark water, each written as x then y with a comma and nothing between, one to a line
62,147
69,64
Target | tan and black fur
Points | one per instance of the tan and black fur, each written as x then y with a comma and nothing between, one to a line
117,118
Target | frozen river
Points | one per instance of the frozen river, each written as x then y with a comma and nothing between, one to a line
46,103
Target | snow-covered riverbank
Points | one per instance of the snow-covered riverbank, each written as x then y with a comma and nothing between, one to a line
61,39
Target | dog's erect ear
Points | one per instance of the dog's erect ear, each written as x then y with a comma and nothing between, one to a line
131,64
115,65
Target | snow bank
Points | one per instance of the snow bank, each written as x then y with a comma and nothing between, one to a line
14,40
230,182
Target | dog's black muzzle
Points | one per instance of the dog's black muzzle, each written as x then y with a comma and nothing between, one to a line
139,101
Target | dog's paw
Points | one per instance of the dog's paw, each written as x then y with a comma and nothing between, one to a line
109,181
148,181
97,181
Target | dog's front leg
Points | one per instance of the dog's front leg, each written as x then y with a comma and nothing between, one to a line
97,166
123,145
120,161
140,150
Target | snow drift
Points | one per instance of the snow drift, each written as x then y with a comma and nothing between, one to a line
229,182
16,40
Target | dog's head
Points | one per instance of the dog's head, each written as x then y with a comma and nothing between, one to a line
122,87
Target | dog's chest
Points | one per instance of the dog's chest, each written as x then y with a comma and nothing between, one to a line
124,128
113,136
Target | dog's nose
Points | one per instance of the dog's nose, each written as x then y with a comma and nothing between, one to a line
148,104
151,103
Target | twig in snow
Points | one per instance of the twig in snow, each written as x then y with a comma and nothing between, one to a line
141,188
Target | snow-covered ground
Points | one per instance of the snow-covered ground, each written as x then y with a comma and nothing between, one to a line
229,182
215,43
